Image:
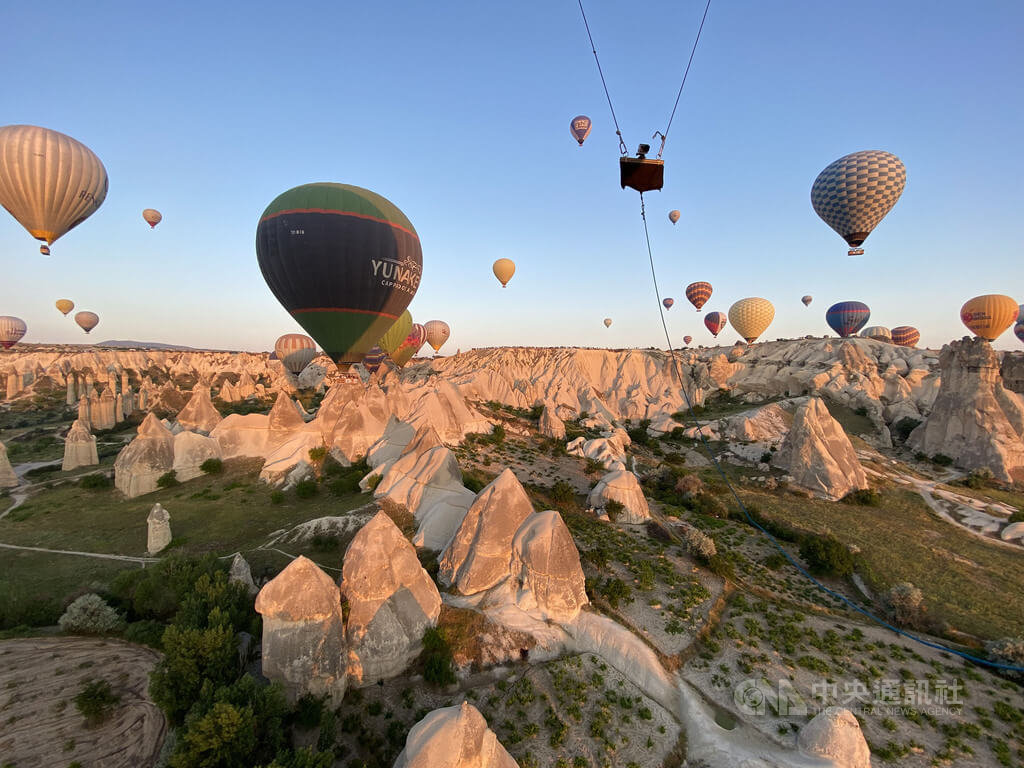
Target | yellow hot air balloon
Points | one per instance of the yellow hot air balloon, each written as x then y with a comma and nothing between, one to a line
49,182
989,315
437,332
396,334
64,305
503,270
751,317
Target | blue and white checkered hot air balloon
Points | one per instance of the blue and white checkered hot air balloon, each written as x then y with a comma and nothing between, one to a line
855,192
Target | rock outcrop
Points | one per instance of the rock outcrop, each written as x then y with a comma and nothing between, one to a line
240,573
834,734
818,455
79,447
453,737
158,529
478,556
621,486
191,449
141,463
545,568
303,633
391,600
975,420
7,477
199,415
550,425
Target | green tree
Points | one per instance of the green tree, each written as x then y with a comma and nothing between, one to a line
192,656
225,737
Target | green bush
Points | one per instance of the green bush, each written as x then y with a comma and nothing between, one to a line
212,466
979,479
95,482
306,489
276,496
96,701
901,429
438,664
826,555
318,454
593,467
865,497
942,460
563,493
614,508
90,615
167,480
473,482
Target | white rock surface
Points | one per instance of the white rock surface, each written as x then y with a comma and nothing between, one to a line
545,569
79,447
191,449
241,573
550,425
158,524
7,477
621,486
141,463
834,734
453,737
199,415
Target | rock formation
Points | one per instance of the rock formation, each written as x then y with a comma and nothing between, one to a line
550,425
623,487
391,600
303,632
240,573
834,734
158,534
199,415
79,447
608,452
975,420
545,568
7,477
453,737
190,451
141,463
478,556
766,424
1012,371
818,455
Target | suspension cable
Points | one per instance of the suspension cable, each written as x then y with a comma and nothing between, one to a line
714,460
664,136
593,48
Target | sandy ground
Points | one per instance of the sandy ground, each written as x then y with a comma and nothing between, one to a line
39,678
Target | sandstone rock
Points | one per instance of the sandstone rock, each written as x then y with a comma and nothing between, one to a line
190,451
834,734
79,448
453,737
545,568
199,415
621,486
819,455
1012,371
608,452
7,477
283,416
303,633
1012,531
396,438
479,554
550,425
766,424
975,420
391,599
141,463
240,573
158,529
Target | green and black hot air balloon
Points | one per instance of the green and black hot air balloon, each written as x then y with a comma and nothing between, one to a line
344,261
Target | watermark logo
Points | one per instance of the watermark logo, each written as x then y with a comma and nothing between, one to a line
764,698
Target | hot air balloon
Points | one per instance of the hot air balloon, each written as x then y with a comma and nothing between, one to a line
673,216
295,351
715,322
905,336
344,261
687,340
751,317
807,300
64,305
698,294
668,302
855,192
503,270
878,333
49,182
988,316
1020,314
579,127
1018,331
408,348
11,330
847,317
87,320
152,217
607,322
437,333
396,334
374,359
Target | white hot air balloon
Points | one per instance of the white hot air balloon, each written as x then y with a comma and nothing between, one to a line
437,332
11,330
87,320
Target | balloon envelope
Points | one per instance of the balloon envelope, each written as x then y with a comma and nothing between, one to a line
87,320
807,300
374,358
856,191
989,315
64,305
152,217
408,348
668,302
698,294
344,261
437,333
877,332
673,216
607,322
295,351
1020,314
905,336
396,334
715,322
503,270
751,317
1018,331
687,340
847,317
49,182
579,127
11,330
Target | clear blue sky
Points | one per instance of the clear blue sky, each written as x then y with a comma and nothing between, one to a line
458,112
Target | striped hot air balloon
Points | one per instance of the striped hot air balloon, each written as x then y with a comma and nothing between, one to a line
847,317
295,351
64,305
905,336
152,217
1018,331
751,317
396,334
408,348
11,330
878,333
87,320
989,315
373,359
715,322
668,302
698,294
437,333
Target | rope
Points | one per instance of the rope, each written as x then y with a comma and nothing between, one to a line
593,48
664,136
714,460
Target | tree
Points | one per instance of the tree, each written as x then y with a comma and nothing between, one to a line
96,701
192,656
224,737
905,604
90,615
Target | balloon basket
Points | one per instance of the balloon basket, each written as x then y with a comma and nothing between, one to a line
641,173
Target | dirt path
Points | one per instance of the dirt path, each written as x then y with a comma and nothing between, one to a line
124,558
924,489
39,679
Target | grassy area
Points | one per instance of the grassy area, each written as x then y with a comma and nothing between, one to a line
975,586
853,422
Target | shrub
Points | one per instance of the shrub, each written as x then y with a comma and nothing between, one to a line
438,665
1008,650
472,482
167,480
90,615
95,482
698,543
613,508
593,467
318,454
826,555
96,701
766,457
498,435
306,489
212,466
614,591
865,497
276,496
942,460
562,492
904,604
901,429
1017,516
979,478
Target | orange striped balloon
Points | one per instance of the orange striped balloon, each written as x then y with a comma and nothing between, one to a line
905,336
698,294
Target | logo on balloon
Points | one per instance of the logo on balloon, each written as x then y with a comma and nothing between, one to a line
404,275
